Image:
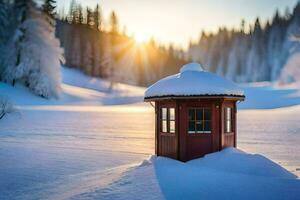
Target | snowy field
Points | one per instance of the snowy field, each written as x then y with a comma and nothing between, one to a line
90,145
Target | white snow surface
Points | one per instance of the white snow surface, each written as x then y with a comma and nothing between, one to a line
78,89
88,145
193,80
229,174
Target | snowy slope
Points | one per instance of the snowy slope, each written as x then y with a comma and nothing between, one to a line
266,95
80,89
77,89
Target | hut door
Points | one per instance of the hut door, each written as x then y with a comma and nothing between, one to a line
167,133
199,131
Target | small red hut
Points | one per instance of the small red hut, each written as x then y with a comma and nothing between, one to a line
195,113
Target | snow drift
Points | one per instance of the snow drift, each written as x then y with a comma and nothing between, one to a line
229,174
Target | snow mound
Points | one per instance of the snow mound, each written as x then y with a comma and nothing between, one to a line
233,160
229,174
193,81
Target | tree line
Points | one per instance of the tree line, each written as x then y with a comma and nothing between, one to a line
107,52
258,54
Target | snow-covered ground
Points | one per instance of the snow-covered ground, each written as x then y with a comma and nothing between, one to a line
90,143
229,174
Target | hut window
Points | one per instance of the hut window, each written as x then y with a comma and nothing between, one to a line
172,120
168,120
228,120
199,120
164,121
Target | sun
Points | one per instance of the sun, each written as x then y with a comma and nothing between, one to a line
141,38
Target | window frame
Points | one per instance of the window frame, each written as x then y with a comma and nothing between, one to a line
203,132
226,120
168,120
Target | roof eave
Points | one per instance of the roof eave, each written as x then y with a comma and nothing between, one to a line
170,97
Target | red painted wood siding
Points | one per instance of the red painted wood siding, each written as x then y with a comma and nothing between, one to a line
184,146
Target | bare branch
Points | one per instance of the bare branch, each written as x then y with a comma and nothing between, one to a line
5,107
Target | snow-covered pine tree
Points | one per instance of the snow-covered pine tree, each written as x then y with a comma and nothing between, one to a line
41,55
3,34
38,53
3,20
13,47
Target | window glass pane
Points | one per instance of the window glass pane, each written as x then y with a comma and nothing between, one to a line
207,126
172,113
199,126
191,114
172,126
164,113
164,126
207,114
199,115
228,126
191,127
228,113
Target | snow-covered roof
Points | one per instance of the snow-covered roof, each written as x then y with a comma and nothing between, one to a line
193,80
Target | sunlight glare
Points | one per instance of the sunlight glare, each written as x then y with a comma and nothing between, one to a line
141,38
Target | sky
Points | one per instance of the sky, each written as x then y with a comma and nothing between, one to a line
180,21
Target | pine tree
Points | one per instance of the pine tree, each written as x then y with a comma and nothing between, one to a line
73,15
98,18
34,51
13,48
49,8
274,46
113,44
40,56
98,45
114,23
80,14
3,20
255,61
89,17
